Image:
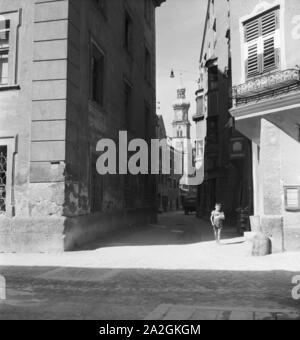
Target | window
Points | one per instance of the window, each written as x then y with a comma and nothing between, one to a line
147,65
97,75
213,78
4,51
127,104
128,32
3,177
179,133
262,44
292,198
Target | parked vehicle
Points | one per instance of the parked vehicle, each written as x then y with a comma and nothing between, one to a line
189,204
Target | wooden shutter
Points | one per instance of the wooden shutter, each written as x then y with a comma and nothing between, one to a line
4,31
253,62
269,57
260,40
252,34
252,31
269,24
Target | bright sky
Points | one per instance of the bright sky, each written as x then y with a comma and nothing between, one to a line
179,36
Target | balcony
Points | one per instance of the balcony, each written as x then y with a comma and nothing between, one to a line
266,86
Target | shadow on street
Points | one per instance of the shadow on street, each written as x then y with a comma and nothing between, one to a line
173,228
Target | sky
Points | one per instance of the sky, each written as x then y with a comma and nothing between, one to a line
179,36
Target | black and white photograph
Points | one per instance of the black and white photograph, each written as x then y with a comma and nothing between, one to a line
149,163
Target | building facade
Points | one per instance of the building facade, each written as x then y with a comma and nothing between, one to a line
168,191
265,39
71,73
225,154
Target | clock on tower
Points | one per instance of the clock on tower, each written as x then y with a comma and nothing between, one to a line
181,123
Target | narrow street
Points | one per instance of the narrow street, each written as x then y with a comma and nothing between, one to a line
139,275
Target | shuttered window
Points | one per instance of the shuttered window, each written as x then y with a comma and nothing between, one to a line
4,51
262,43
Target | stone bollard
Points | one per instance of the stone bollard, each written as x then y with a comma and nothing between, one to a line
262,245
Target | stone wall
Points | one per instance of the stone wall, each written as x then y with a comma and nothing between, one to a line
54,127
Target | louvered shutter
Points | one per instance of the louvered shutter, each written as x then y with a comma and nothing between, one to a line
253,63
252,33
269,24
269,58
261,38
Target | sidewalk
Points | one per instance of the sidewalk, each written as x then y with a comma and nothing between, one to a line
176,243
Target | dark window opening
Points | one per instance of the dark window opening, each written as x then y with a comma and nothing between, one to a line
97,75
128,32
213,78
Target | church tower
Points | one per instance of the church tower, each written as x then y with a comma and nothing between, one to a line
181,123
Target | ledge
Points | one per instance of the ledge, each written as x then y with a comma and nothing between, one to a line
10,87
270,105
198,117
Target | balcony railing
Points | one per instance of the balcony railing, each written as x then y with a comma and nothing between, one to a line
266,86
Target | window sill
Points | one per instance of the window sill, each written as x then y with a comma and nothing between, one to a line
10,87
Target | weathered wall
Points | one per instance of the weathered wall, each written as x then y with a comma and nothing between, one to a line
279,167
58,127
88,122
16,105
48,121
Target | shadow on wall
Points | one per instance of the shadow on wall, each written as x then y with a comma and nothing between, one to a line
81,231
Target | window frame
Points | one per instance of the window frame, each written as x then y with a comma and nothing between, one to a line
128,32
99,101
10,142
5,49
15,19
287,206
258,42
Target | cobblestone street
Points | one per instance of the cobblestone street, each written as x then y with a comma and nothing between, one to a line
142,275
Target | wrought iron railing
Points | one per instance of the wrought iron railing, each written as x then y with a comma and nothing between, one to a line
266,85
3,175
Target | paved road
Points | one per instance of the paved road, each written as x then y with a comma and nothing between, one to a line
112,293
